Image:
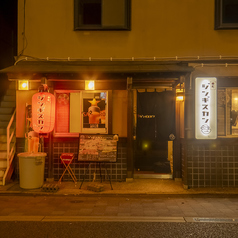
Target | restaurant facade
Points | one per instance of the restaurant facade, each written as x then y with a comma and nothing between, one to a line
174,117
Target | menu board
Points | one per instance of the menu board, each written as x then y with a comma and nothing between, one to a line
98,148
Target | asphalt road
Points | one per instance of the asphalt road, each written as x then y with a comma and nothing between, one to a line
118,216
116,229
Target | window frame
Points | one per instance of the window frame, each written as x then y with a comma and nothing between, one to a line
105,130
68,134
219,24
79,26
225,119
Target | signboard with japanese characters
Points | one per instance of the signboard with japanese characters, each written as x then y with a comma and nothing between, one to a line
205,108
98,148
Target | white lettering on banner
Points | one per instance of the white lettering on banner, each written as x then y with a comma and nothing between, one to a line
40,110
205,108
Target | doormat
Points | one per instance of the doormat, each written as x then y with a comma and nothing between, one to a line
95,188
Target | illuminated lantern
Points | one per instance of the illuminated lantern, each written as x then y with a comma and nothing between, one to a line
43,112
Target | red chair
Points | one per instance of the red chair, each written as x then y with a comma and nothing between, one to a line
66,160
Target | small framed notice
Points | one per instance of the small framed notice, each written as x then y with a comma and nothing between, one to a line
98,148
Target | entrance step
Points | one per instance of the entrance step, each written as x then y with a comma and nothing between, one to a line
152,175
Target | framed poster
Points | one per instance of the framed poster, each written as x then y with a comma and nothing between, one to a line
98,148
95,112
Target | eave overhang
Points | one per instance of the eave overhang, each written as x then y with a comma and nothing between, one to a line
76,69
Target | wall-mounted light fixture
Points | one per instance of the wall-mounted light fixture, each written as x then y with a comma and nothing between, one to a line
23,85
179,95
89,85
179,98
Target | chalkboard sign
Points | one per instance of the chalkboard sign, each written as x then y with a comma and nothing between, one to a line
98,148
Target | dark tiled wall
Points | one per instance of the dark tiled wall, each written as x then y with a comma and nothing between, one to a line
117,171
210,164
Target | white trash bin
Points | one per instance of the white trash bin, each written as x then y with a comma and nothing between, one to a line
31,169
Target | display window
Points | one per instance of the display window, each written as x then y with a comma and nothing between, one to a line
81,112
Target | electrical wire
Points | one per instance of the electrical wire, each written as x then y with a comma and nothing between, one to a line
24,39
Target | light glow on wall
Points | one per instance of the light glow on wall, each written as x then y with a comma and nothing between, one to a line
205,108
23,85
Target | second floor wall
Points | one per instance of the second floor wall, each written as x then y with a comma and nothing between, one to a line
159,28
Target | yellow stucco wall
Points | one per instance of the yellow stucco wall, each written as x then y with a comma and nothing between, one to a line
119,112
159,28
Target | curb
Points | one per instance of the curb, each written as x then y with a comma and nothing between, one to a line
99,194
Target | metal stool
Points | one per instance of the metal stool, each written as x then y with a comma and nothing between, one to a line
66,160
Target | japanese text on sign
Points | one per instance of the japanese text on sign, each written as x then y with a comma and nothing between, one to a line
205,108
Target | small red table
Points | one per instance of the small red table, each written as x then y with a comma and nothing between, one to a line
66,160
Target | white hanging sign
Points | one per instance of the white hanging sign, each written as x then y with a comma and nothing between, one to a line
206,108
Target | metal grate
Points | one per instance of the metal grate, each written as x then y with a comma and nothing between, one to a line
222,220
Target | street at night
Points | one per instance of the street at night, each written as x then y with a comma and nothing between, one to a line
118,118
116,229
119,216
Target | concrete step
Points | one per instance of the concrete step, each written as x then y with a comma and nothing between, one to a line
9,98
4,117
3,145
3,138
12,85
4,124
3,130
6,111
3,162
2,172
8,104
11,92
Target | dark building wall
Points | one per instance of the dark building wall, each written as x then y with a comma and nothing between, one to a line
8,38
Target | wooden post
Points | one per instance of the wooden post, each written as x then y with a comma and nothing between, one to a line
130,163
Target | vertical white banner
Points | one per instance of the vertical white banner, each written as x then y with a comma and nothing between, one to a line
205,108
